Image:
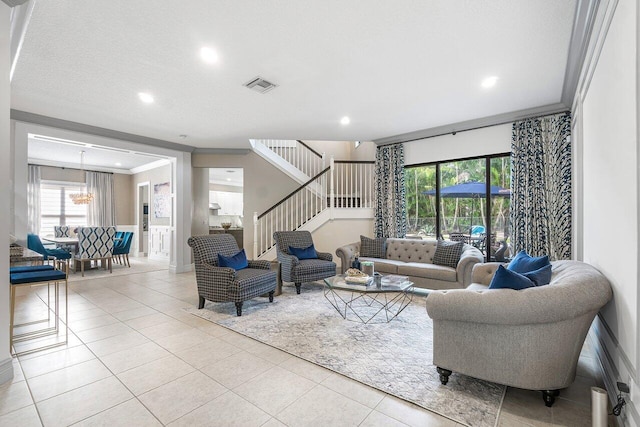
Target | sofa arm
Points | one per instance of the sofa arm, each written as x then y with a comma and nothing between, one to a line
325,256
542,304
223,274
483,272
259,264
469,258
346,254
287,263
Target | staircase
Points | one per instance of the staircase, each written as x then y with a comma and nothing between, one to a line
344,189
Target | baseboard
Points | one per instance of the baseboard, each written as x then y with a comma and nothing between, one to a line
610,374
6,370
184,269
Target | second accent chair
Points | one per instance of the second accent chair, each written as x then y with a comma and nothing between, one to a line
301,271
224,284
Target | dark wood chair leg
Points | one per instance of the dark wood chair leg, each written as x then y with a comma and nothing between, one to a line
271,296
444,375
200,303
298,286
239,308
549,397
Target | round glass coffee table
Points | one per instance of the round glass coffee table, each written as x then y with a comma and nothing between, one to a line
366,303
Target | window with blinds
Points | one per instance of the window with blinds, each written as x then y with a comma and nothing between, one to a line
56,208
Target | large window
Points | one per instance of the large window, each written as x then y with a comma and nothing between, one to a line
57,208
450,200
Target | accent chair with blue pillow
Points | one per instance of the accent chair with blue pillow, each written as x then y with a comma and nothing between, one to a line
529,338
306,269
218,283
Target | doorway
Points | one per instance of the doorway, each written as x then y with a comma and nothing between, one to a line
142,218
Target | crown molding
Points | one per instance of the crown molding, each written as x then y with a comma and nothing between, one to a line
24,116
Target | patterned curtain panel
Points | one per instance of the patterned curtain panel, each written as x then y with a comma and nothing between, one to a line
101,211
33,199
389,199
541,186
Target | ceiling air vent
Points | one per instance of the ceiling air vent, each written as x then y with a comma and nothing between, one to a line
260,85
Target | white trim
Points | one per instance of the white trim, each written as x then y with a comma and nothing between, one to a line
55,164
149,166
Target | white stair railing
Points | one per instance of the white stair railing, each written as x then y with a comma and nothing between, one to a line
298,154
342,185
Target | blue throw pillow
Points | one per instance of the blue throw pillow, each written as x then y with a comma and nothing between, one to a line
524,263
507,279
304,253
237,261
541,276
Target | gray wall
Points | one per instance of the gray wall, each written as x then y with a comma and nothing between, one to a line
264,185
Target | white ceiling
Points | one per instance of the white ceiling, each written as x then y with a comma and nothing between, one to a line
226,176
392,67
66,153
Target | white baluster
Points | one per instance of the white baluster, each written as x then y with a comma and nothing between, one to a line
255,235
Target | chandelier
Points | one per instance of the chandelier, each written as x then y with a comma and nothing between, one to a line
81,198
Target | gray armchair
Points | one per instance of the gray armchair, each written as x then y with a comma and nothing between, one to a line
528,339
306,270
223,284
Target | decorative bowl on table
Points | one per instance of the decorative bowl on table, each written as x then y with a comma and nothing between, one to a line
226,225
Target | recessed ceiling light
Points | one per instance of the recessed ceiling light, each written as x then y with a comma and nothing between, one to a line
147,98
345,120
182,136
228,179
231,171
489,82
118,164
208,55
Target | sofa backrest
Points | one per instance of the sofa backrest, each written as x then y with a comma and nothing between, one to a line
411,250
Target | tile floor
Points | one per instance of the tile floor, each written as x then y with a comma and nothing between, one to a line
135,358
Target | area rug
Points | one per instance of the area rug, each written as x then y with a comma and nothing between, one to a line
393,357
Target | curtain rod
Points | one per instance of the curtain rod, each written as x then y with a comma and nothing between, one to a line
65,167
477,127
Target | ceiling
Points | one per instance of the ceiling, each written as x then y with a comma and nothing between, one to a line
49,151
226,176
391,69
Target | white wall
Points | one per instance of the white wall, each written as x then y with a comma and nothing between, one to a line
606,135
473,143
6,366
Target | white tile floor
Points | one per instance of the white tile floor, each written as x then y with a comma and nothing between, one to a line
135,358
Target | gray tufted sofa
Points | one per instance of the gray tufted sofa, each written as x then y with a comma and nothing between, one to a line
414,258
527,339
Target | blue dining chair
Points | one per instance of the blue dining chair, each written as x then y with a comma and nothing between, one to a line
122,248
35,244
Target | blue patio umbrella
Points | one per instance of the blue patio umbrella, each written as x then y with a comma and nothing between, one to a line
470,190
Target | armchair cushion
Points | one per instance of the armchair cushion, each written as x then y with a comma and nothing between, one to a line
236,261
304,253
507,279
524,263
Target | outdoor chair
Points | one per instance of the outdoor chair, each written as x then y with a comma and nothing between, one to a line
95,244
224,284
122,247
301,271
455,236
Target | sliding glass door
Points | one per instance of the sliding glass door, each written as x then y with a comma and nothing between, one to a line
464,199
